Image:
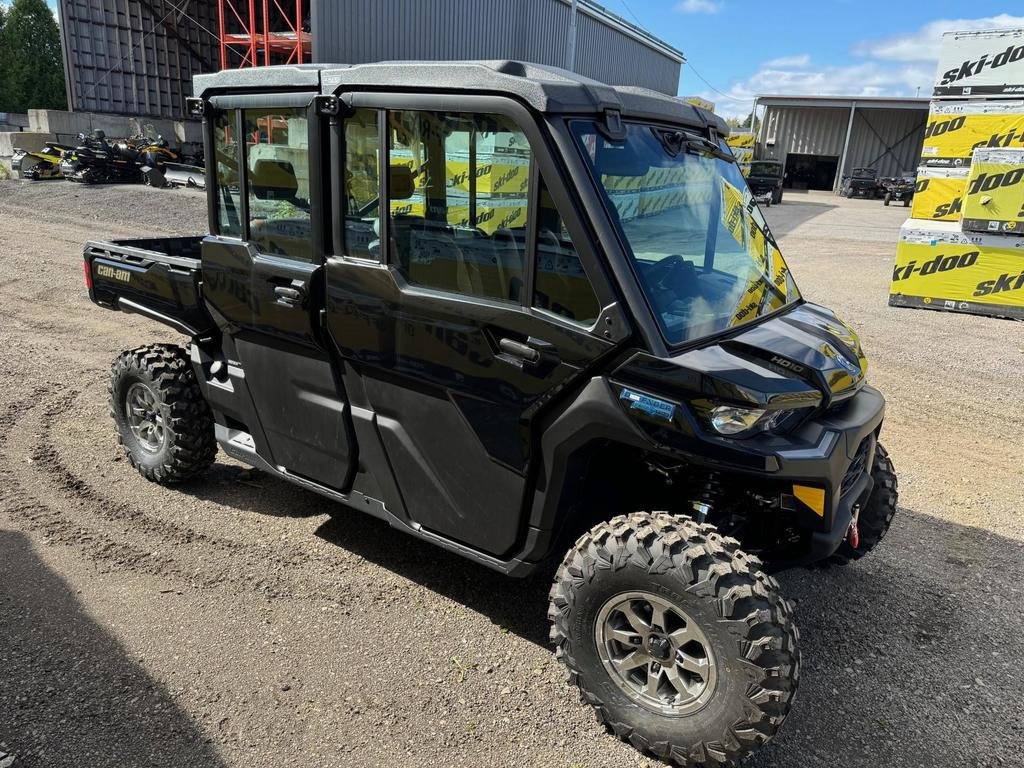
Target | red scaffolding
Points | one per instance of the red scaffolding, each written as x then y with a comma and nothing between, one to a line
262,32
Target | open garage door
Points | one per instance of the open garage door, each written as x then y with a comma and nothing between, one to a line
811,171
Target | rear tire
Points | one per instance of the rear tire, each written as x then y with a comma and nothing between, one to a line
877,514
700,598
163,422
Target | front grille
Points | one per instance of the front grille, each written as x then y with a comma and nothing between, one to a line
857,467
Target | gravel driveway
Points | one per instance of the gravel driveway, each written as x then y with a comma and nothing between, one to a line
232,622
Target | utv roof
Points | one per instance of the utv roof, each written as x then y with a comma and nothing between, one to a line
546,89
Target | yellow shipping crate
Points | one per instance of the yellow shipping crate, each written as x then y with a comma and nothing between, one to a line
938,194
740,141
956,128
995,192
940,267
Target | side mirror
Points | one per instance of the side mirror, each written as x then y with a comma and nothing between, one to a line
400,182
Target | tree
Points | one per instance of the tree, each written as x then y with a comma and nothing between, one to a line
31,69
3,60
744,123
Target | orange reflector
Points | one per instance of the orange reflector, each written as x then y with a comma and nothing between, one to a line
812,497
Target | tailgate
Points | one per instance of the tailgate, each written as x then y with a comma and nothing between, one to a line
160,278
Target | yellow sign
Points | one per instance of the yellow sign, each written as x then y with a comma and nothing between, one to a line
995,193
740,141
942,268
955,129
938,195
697,101
733,218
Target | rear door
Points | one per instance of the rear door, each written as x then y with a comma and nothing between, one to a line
466,303
263,281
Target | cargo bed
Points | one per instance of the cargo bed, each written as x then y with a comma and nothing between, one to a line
157,277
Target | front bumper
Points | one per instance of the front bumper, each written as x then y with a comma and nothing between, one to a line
844,442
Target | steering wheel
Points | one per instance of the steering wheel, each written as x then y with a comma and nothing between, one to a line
660,272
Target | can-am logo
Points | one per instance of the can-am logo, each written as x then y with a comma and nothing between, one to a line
122,275
973,67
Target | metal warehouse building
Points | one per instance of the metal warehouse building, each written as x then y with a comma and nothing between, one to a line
820,139
138,57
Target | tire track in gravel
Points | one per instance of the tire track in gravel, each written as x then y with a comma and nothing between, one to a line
124,536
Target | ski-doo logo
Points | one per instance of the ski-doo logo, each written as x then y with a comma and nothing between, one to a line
973,67
940,263
986,182
948,209
1005,282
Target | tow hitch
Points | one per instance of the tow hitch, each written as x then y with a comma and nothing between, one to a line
853,535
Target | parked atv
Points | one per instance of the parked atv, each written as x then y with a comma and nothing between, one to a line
863,182
899,189
765,180
431,294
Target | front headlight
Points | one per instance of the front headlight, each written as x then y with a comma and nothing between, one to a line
731,419
738,421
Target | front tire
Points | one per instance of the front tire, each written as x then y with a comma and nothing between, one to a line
877,514
163,422
676,638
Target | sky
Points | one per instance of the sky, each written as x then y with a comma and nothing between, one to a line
737,49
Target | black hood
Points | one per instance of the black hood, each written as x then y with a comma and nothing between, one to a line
802,357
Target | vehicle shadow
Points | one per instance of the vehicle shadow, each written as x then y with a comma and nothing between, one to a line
793,211
910,656
71,695
517,605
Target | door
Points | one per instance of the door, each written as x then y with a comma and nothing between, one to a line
462,303
262,277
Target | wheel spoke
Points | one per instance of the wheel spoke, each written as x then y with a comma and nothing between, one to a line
625,636
692,664
653,679
631,661
678,682
658,612
681,637
636,621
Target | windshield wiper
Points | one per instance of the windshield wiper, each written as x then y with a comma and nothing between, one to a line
698,144
674,142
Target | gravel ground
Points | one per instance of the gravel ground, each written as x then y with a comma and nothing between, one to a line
233,623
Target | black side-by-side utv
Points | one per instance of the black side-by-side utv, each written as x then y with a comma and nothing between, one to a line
535,320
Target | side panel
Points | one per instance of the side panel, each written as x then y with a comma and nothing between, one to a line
452,412
304,418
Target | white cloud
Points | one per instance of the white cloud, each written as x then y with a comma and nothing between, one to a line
898,65
700,6
808,79
923,45
800,60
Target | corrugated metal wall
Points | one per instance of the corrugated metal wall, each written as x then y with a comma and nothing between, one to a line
358,31
822,131
136,57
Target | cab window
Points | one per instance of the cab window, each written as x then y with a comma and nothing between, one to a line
277,163
362,185
560,283
457,199
225,145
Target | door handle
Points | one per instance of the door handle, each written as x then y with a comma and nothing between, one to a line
519,350
288,295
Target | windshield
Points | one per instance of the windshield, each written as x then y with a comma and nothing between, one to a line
698,243
765,169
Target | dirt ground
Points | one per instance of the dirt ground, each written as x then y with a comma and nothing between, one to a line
232,622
